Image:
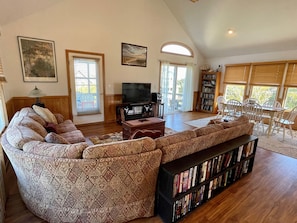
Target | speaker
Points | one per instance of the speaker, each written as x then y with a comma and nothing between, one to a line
156,97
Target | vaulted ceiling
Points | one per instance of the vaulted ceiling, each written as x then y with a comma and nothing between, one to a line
259,26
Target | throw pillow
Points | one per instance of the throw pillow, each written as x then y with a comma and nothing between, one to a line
46,114
55,138
51,127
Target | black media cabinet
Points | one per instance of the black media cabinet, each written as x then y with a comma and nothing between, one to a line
129,111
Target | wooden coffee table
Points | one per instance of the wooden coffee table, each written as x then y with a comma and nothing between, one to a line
129,127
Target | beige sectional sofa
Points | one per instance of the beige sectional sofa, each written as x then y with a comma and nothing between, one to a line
62,178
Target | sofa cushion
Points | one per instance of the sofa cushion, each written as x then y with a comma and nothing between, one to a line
37,118
30,123
66,126
70,151
17,136
121,148
59,117
55,138
26,111
174,138
46,114
208,129
73,136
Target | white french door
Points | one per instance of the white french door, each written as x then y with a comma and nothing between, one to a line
176,87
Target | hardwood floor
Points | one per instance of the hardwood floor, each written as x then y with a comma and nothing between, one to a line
268,194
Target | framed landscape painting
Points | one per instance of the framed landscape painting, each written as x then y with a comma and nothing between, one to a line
38,59
134,55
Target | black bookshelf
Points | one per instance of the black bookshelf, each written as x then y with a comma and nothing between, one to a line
186,183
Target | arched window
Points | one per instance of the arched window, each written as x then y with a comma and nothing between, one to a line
177,48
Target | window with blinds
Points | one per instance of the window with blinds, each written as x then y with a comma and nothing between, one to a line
291,77
237,74
267,74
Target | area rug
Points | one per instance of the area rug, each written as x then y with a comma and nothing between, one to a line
117,136
275,143
200,122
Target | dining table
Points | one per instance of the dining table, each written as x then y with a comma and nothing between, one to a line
271,111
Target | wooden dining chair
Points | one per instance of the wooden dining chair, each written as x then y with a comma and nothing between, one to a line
254,112
234,109
250,101
287,120
220,101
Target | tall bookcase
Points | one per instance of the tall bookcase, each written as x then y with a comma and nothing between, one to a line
209,91
186,183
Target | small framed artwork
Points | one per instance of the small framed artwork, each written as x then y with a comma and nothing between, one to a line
134,55
38,59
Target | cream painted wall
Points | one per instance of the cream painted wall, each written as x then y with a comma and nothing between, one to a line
98,26
272,56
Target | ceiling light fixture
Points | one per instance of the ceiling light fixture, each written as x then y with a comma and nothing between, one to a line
230,31
194,1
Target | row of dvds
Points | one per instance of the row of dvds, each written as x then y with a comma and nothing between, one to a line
191,177
192,200
182,206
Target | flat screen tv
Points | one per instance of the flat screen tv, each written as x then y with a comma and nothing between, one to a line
136,92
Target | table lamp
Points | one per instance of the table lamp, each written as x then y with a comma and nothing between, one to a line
37,93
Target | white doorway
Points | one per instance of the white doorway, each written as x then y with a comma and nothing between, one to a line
86,80
176,87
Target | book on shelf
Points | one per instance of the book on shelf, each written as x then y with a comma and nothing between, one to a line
190,178
185,180
175,185
239,154
210,189
194,176
180,187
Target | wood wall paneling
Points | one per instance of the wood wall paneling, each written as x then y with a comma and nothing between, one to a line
56,104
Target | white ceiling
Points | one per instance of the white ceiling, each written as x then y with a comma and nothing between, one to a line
260,25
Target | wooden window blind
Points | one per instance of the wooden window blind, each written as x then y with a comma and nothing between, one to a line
267,74
237,74
291,77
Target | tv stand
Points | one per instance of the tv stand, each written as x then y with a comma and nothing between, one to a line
131,111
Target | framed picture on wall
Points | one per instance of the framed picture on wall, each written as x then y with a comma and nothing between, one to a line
38,59
134,55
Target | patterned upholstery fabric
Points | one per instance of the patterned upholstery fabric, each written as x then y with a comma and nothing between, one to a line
184,147
121,148
70,151
117,189
174,138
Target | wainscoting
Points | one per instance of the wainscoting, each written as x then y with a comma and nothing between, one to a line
61,104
